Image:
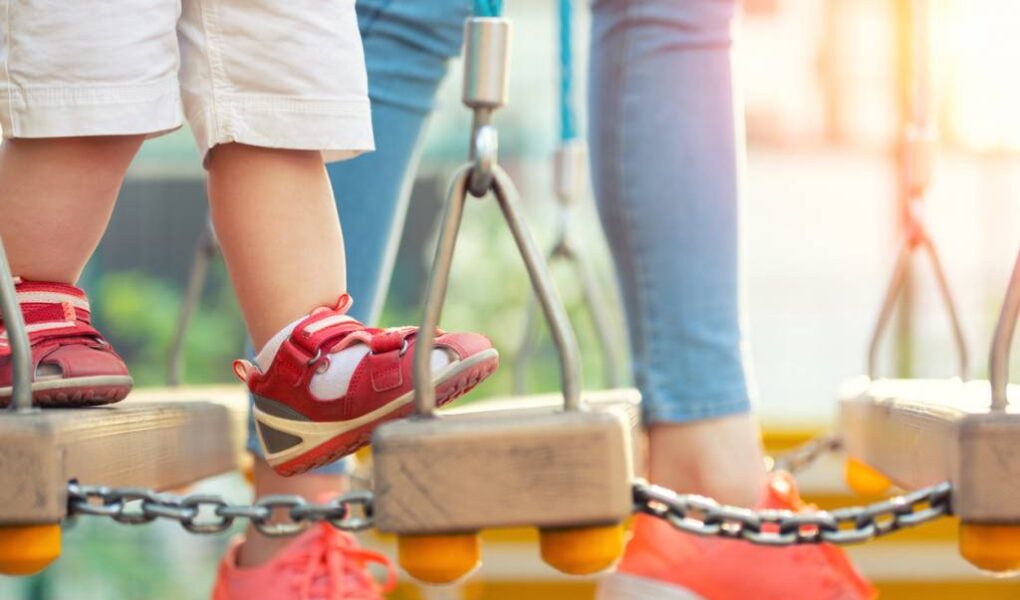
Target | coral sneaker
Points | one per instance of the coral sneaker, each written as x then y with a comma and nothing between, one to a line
662,563
73,364
300,430
320,564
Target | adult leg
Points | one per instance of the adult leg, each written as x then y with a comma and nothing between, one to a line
667,147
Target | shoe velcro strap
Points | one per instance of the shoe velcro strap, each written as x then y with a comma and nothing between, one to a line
322,329
390,339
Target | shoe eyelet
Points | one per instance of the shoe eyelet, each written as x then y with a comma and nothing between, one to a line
315,359
323,366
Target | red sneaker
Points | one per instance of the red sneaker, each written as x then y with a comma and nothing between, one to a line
321,564
73,364
663,563
300,431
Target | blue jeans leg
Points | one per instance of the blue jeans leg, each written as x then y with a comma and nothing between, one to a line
408,44
666,139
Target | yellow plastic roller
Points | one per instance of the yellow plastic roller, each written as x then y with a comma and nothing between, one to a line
28,549
439,558
582,550
865,480
991,547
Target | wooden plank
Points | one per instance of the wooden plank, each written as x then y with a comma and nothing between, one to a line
921,432
159,439
472,471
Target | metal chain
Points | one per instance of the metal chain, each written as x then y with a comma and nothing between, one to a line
275,516
802,457
771,527
288,515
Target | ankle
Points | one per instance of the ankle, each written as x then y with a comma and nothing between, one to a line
720,458
258,549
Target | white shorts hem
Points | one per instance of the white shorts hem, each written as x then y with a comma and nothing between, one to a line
78,111
339,129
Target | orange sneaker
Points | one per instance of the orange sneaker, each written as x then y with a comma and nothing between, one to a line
320,564
662,563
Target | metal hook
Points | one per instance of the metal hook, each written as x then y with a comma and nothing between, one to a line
17,338
562,332
998,363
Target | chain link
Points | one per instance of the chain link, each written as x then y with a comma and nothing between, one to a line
274,516
288,515
771,527
807,454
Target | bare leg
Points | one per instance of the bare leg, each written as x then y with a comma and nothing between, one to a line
278,226
721,458
258,548
56,197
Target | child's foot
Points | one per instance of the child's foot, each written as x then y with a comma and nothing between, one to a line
323,385
321,564
663,563
73,364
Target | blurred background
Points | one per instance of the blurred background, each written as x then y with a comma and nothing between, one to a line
826,92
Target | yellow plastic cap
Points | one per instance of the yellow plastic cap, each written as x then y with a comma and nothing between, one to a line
582,550
992,548
28,549
439,558
865,480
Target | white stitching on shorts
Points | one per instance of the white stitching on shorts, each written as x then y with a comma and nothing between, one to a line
7,62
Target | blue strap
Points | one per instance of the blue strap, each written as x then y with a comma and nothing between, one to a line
568,112
488,8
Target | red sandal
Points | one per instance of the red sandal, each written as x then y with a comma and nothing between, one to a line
73,364
300,431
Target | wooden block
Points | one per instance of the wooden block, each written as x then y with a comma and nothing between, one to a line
624,401
921,432
143,441
467,472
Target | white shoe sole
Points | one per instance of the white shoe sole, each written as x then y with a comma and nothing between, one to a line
620,586
315,433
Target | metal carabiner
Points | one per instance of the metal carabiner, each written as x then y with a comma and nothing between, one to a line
17,339
562,333
486,64
998,363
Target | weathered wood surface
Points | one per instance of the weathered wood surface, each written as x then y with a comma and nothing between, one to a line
922,432
485,467
156,438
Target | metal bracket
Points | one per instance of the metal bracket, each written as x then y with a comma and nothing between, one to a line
16,338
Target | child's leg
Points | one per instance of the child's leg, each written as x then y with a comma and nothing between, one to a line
278,226
56,197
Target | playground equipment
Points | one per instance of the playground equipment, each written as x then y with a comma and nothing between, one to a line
570,174
919,432
482,470
562,464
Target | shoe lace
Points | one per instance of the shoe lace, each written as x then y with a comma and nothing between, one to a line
331,566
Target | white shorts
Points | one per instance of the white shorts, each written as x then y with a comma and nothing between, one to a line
271,73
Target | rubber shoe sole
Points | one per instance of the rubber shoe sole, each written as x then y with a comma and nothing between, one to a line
621,586
75,391
320,443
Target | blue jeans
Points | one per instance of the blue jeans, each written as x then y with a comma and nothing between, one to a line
666,148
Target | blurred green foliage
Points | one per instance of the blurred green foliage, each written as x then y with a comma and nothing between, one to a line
139,313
